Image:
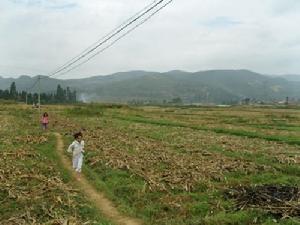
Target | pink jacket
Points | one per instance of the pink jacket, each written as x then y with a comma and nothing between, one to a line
45,119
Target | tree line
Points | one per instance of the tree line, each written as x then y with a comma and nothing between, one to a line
60,96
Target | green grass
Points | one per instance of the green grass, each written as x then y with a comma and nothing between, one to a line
120,186
48,151
241,133
282,174
235,218
92,110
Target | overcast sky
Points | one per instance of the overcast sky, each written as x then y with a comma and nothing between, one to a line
37,36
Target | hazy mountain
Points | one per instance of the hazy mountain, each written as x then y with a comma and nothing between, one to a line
291,77
219,86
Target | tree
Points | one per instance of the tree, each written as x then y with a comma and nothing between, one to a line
23,96
60,94
13,91
69,95
6,95
176,100
29,98
74,96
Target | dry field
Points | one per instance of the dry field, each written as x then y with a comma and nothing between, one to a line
34,188
171,165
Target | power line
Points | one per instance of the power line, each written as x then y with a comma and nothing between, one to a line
107,39
110,33
111,44
26,90
31,87
103,40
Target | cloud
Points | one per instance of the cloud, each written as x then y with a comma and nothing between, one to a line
221,22
191,35
63,7
47,4
285,7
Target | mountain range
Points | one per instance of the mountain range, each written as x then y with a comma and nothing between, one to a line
213,86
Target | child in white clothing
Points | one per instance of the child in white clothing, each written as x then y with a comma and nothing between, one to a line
77,148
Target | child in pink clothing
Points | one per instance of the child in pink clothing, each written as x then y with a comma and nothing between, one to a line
45,121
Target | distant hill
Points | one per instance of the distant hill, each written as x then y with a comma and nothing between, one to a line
214,86
291,77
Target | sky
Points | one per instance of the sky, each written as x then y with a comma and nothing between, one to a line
38,36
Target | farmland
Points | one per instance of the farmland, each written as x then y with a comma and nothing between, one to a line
163,165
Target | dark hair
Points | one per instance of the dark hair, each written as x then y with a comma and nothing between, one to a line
45,114
76,135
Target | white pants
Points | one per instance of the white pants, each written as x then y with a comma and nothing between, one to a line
77,162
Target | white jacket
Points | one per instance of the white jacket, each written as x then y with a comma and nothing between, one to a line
76,147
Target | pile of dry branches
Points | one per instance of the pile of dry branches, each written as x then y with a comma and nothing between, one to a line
278,200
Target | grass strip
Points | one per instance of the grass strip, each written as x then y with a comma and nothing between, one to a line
241,133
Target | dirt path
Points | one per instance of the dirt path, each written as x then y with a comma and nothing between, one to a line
101,202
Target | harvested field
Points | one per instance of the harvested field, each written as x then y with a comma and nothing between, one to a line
177,165
171,166
34,189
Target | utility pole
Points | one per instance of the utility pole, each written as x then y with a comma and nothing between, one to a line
39,94
26,97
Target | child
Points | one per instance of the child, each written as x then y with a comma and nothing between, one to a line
77,148
45,121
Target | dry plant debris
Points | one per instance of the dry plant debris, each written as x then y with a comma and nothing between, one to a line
31,188
278,200
183,158
31,139
156,162
160,166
